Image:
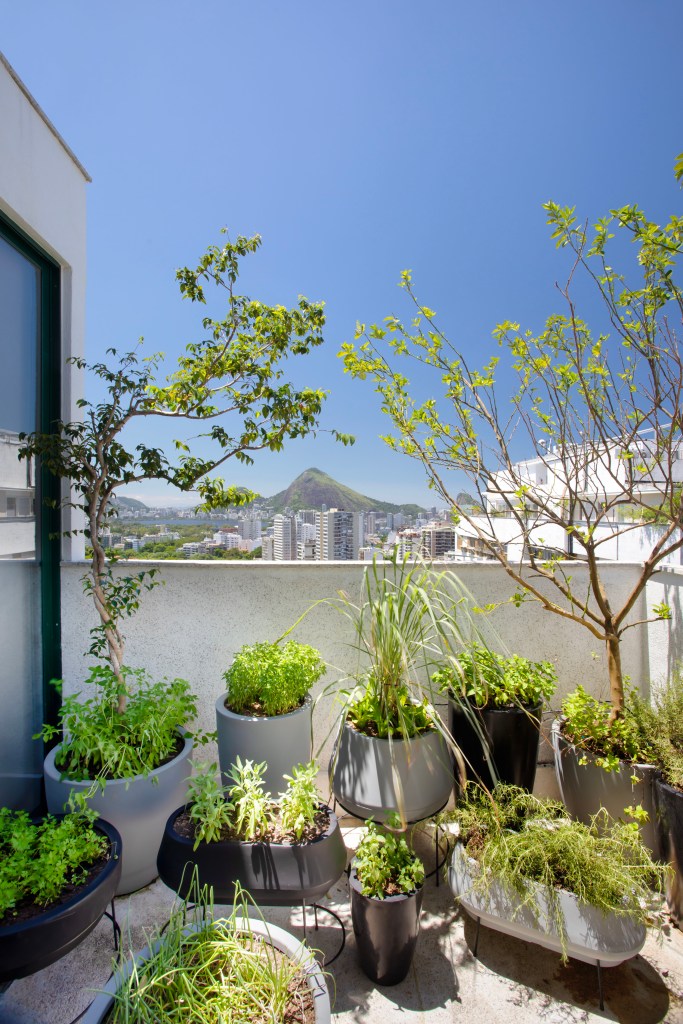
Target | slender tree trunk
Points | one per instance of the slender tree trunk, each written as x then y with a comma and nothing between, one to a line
616,679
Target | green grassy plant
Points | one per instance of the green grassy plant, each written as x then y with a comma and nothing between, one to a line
665,725
272,678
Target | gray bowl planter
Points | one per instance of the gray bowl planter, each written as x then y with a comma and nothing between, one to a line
585,788
282,741
374,778
138,808
277,937
273,873
669,801
593,937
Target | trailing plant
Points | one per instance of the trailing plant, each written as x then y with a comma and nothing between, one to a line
101,742
272,678
490,679
232,382
517,838
409,620
590,726
213,971
385,865
244,811
38,860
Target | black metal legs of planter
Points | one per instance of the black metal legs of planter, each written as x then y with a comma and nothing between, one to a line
337,918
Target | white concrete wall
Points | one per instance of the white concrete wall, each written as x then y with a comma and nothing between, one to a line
192,625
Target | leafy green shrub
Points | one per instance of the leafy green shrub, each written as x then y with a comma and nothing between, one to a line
272,679
666,731
300,802
385,865
490,679
101,742
516,838
588,726
38,860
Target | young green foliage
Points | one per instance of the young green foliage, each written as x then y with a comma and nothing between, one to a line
251,804
588,726
300,802
210,811
490,679
272,679
385,865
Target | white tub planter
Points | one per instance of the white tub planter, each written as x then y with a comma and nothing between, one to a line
138,807
595,938
276,936
282,741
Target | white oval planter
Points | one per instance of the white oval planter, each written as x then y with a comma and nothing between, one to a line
373,778
137,807
585,788
591,936
276,936
282,741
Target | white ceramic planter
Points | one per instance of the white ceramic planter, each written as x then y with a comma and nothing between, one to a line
137,807
591,936
373,778
278,937
282,741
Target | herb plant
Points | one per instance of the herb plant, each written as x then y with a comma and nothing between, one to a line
213,971
385,865
210,812
490,679
590,725
300,802
37,860
516,838
664,725
250,802
272,678
102,742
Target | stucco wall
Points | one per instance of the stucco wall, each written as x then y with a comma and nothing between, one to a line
191,626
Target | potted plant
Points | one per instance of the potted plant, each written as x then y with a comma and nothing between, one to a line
283,851
605,762
495,705
524,868
392,752
236,372
266,714
386,882
57,877
200,967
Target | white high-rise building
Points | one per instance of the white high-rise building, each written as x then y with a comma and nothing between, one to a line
336,536
284,538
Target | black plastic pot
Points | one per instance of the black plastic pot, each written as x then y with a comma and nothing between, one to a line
510,736
274,873
29,946
386,932
669,808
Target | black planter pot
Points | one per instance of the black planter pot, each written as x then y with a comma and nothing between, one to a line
274,873
512,737
386,932
29,946
669,814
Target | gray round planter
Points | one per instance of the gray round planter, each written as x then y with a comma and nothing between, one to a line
277,937
282,741
585,788
373,778
137,807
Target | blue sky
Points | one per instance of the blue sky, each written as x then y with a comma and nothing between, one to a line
358,139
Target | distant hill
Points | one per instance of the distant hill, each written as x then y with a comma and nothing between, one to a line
130,503
314,488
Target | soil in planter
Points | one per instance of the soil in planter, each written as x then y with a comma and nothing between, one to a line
25,909
300,1007
185,827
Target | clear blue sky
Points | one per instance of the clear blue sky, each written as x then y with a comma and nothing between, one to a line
358,139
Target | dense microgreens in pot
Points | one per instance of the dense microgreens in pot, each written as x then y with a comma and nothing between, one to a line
385,865
515,838
222,971
272,678
589,724
38,859
245,809
490,679
100,741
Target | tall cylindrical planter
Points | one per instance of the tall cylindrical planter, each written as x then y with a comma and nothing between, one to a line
669,805
386,932
138,807
585,788
509,736
374,778
282,741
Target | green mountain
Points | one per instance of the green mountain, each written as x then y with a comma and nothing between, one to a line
314,488
134,504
